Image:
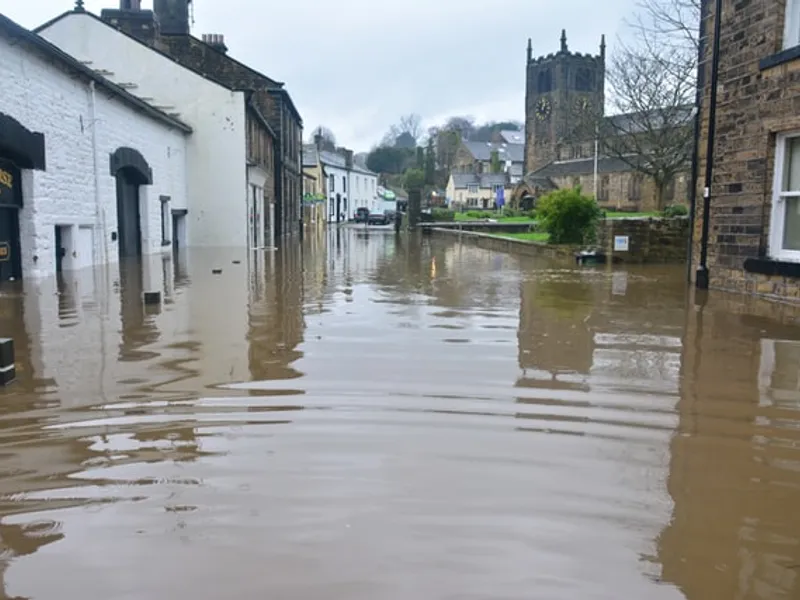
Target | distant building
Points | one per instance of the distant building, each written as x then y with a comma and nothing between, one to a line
345,185
477,190
480,157
753,243
89,173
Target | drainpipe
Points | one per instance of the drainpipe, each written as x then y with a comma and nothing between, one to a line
100,212
698,107
702,277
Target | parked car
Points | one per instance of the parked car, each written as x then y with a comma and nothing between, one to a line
378,219
362,215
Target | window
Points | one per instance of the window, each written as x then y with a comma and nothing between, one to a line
165,220
472,189
602,193
584,82
344,184
785,224
544,82
791,27
635,187
333,184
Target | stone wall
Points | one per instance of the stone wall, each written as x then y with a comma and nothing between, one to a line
759,96
650,240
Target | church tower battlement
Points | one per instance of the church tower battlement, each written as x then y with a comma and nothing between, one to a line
562,90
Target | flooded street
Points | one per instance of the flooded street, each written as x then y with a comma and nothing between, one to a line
376,419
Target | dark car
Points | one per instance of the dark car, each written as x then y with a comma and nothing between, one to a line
378,219
362,215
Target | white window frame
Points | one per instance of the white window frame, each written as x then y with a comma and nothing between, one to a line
777,223
791,24
472,189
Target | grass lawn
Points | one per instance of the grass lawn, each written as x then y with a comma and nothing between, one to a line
533,236
464,217
621,215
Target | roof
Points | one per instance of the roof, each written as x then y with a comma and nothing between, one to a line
482,180
16,31
277,89
483,151
582,166
513,137
331,159
652,120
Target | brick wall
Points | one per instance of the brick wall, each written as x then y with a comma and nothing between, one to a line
46,99
753,105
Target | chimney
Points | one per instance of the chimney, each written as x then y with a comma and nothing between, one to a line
216,41
172,16
348,158
131,19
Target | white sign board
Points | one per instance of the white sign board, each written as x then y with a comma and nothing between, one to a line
621,243
619,283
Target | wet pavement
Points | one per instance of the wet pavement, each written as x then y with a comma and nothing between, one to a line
371,419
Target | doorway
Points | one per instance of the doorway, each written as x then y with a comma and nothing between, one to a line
178,228
128,215
10,259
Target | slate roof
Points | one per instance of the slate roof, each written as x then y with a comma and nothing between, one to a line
582,166
651,120
483,151
513,137
331,159
482,180
13,31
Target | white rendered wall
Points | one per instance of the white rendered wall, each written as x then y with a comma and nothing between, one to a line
216,151
46,99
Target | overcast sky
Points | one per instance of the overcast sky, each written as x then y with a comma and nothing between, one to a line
355,66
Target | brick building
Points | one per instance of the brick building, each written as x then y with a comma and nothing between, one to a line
753,242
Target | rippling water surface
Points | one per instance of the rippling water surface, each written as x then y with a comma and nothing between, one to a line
367,418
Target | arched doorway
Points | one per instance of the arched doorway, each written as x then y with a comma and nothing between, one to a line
20,149
131,171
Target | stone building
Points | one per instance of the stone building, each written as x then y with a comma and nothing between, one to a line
479,157
565,91
753,242
89,173
230,154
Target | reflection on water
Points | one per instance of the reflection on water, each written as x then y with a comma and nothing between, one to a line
372,417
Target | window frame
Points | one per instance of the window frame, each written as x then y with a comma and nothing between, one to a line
791,24
473,189
778,213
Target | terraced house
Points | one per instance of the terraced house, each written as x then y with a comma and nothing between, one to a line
752,240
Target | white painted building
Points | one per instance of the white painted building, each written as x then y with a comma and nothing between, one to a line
227,198
90,174
347,186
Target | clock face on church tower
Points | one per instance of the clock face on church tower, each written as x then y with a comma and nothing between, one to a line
543,109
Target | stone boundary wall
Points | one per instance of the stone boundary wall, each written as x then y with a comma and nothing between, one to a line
649,241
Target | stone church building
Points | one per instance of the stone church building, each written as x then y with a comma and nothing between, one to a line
564,91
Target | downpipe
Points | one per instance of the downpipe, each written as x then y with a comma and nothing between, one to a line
702,277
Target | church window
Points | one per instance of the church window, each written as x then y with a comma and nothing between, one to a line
584,82
544,82
602,193
635,187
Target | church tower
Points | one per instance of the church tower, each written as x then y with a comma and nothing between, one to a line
563,92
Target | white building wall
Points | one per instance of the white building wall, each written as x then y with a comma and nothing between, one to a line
364,192
340,185
44,98
216,152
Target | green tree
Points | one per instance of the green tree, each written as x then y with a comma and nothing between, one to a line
568,216
385,159
414,179
430,163
496,166
420,164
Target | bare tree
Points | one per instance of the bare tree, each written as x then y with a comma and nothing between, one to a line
412,125
324,137
653,85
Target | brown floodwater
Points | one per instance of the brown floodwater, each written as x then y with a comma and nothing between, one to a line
368,418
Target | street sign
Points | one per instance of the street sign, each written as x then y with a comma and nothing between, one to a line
621,243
